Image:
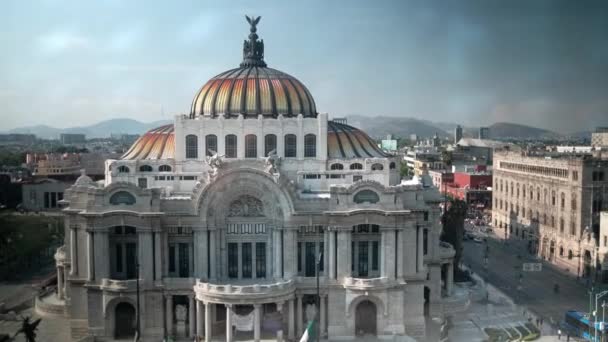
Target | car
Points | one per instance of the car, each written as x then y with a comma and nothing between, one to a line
477,240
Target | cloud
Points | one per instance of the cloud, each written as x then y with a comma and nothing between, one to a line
60,41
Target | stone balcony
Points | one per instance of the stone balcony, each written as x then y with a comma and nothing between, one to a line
114,285
365,284
446,251
264,291
178,283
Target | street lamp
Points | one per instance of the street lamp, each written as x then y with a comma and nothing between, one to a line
597,297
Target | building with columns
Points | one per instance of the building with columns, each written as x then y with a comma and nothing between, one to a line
223,220
553,201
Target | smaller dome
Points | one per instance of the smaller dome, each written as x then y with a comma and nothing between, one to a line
83,179
347,142
158,143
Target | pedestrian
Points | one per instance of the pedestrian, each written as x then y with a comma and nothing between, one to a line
559,334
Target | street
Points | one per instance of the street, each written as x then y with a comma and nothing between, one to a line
537,288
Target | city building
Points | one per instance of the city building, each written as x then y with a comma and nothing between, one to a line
475,188
17,139
484,133
68,165
222,216
553,200
599,138
481,150
72,138
457,134
422,158
42,194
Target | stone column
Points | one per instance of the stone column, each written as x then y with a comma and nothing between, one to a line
278,253
157,256
449,279
170,315
401,253
60,282
199,317
299,317
419,248
290,257
322,318
208,327
331,258
256,322
90,256
228,322
213,254
191,319
101,257
144,255
73,252
290,324
344,253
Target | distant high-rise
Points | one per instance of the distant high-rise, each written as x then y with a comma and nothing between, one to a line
457,134
600,137
484,132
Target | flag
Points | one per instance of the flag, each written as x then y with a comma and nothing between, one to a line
309,333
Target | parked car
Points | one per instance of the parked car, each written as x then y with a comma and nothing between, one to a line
477,240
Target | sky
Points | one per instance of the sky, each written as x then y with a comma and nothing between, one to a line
541,63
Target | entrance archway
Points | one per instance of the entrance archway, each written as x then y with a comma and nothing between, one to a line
124,321
365,318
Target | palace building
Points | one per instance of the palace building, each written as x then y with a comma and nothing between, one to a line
215,226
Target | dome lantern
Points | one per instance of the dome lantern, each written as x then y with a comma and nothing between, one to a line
253,50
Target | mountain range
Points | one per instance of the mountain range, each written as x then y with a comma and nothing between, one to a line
377,127
101,129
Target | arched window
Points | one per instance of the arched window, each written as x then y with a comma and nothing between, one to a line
545,196
511,189
561,225
366,196
377,167
561,251
210,145
553,197
122,197
517,190
164,168
392,166
310,146
270,143
291,146
336,166
570,254
501,185
230,147
572,228
531,193
145,168
123,169
573,202
563,201
356,166
251,146
191,146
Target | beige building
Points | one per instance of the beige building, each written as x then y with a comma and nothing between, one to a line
599,138
552,201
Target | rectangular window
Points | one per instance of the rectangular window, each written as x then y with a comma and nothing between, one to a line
574,175
142,183
233,260
171,258
310,260
210,145
53,200
131,260
230,146
184,265
299,257
357,178
363,262
60,196
605,240
260,260
322,252
251,146
47,200
246,259
290,146
375,250
119,258
425,241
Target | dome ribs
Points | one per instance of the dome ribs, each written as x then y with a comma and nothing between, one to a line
233,79
273,102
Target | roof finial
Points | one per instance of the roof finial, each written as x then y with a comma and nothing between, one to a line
253,50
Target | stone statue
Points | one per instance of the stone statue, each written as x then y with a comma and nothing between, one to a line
246,206
215,161
311,311
28,329
273,161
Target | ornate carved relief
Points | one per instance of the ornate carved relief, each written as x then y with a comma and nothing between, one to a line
246,206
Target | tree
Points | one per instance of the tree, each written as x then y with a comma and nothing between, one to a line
453,227
404,170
